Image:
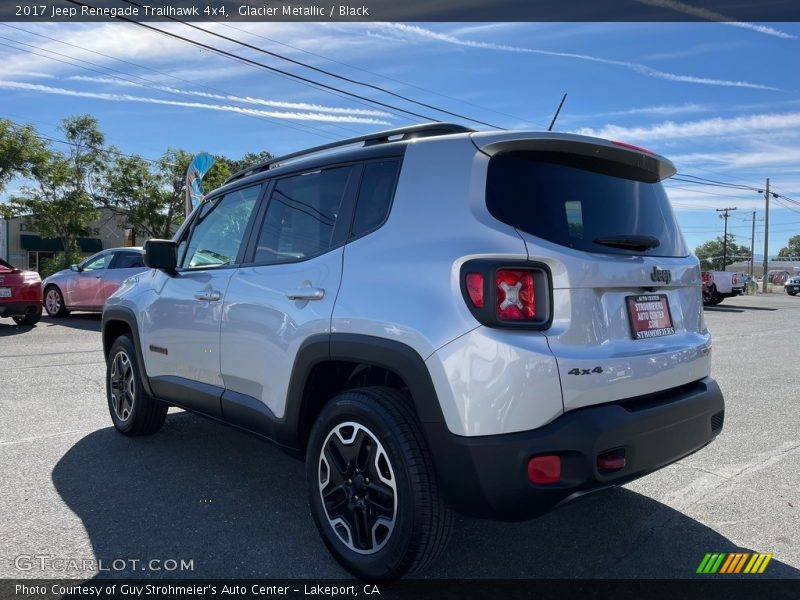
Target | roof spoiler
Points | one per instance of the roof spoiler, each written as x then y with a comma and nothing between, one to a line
623,160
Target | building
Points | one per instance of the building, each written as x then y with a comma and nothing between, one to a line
25,248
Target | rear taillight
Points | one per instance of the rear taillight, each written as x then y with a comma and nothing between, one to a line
516,297
508,293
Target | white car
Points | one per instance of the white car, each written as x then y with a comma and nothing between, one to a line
435,319
792,285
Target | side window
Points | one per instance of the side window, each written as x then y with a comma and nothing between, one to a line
127,260
98,262
375,195
301,215
218,231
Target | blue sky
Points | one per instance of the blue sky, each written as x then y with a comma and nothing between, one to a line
721,100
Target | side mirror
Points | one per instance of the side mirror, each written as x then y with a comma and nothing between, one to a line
161,254
75,268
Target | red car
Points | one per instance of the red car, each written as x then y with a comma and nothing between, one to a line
20,294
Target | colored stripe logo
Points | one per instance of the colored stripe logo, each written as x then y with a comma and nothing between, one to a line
734,562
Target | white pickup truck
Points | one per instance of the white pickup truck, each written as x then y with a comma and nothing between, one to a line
718,285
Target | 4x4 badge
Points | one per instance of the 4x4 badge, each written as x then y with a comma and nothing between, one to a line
659,274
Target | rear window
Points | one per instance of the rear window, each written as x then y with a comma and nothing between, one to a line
572,202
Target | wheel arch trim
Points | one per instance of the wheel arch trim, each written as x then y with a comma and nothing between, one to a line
125,315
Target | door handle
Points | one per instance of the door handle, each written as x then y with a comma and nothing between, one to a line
208,295
306,293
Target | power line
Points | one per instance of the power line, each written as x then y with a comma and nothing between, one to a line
298,127
376,74
326,72
261,65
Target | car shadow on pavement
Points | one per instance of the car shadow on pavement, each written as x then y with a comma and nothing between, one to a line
236,506
8,327
84,321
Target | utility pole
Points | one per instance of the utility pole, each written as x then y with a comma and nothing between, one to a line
766,237
724,215
752,245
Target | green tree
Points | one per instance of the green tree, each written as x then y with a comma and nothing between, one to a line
61,205
710,253
20,149
791,250
151,196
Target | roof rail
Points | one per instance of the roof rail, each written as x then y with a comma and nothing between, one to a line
371,139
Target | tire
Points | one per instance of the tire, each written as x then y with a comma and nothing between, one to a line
416,523
132,410
31,319
54,302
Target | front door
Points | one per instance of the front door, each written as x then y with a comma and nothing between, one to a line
181,327
88,281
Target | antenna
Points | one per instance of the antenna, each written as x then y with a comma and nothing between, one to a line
558,110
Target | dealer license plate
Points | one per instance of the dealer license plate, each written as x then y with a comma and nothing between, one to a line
649,316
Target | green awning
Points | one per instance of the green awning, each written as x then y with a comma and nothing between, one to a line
36,242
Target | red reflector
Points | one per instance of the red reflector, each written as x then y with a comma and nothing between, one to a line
515,295
475,289
614,461
632,147
544,469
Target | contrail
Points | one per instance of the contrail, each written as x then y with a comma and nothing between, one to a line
296,116
231,98
636,67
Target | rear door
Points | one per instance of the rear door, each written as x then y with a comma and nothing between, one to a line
627,313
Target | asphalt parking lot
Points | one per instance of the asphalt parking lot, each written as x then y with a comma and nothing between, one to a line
72,488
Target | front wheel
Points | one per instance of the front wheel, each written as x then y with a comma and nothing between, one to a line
133,411
372,488
54,302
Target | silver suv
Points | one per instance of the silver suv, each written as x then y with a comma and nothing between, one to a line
435,319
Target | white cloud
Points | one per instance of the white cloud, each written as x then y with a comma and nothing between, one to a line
661,110
709,15
777,155
304,106
722,127
413,31
297,116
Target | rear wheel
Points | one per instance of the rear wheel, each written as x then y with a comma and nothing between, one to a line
133,411
372,488
29,319
54,302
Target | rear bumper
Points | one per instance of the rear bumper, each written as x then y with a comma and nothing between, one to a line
14,309
487,476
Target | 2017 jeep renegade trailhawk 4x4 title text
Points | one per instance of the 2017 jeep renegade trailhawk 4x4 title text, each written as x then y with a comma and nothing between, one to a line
435,319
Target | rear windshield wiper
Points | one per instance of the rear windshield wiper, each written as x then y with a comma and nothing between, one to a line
629,242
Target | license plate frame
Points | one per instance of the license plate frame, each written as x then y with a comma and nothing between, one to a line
646,321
